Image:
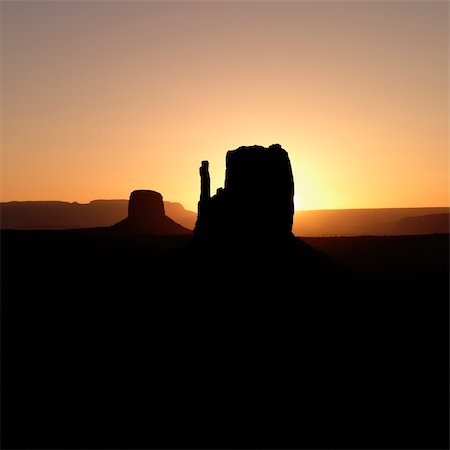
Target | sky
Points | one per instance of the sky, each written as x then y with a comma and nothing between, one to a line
100,98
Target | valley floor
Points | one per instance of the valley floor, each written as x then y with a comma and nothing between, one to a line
113,341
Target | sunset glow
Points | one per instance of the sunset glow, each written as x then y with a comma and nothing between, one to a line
101,98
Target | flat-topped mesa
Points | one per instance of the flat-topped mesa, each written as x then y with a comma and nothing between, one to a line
145,204
146,215
258,183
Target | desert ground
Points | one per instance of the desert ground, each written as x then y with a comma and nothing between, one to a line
115,341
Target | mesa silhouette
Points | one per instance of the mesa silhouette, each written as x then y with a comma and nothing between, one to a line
146,216
257,178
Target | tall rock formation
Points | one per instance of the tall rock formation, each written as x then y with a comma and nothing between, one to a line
258,180
146,216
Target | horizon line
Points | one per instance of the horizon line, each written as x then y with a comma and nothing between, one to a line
171,201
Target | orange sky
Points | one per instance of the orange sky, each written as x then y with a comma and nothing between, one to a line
101,98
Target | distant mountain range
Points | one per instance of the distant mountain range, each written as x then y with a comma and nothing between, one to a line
383,221
345,222
55,215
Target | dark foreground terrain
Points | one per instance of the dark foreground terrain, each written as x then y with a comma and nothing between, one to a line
111,341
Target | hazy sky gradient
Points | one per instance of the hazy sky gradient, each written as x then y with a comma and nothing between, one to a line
101,98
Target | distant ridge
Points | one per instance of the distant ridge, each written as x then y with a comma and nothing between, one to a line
380,221
55,215
432,223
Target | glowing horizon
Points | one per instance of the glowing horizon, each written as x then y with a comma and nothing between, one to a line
102,98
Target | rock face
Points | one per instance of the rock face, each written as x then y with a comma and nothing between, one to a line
146,216
257,179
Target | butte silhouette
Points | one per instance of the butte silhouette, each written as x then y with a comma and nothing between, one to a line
236,248
146,215
257,179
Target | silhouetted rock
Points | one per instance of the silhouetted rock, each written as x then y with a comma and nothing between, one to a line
146,216
257,178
